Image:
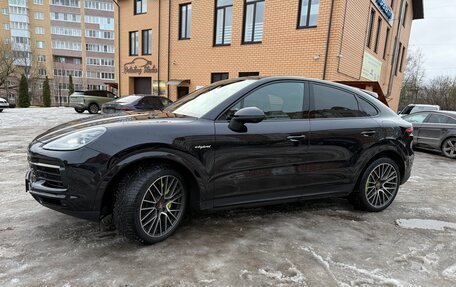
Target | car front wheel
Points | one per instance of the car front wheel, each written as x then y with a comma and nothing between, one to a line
150,204
449,148
93,109
378,186
80,111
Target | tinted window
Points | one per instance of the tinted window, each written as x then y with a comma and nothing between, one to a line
278,101
451,121
438,119
407,110
419,118
366,108
333,103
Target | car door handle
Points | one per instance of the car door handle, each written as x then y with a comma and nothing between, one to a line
368,133
296,138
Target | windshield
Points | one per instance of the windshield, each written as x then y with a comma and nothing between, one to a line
200,102
128,100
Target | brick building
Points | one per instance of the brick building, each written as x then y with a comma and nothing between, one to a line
173,47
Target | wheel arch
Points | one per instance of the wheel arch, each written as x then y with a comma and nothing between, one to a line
388,153
193,177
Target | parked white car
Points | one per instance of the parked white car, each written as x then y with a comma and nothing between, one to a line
415,108
3,104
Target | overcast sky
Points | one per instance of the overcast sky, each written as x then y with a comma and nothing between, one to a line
435,36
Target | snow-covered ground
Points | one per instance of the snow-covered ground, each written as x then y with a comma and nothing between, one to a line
316,243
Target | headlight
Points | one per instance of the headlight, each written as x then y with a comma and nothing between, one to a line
75,140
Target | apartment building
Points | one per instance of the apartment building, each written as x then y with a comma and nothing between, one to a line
176,46
61,38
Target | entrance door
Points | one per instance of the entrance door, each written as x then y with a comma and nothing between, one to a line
182,92
143,86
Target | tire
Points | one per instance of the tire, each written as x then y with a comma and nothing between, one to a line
137,216
94,108
374,196
449,148
1,110
80,111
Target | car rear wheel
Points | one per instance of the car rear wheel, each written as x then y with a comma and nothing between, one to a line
378,186
449,148
79,110
94,109
150,204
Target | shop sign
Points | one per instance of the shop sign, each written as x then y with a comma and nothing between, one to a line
372,67
140,66
387,11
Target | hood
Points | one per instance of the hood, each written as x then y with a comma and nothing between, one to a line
102,120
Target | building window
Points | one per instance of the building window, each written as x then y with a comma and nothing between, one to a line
39,15
147,42
253,21
41,58
40,44
134,43
215,77
38,2
140,7
401,65
386,43
379,29
39,30
223,22
185,21
5,11
248,74
5,26
42,72
308,13
405,14
371,27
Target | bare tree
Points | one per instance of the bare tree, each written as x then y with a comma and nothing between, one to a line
413,79
7,63
28,63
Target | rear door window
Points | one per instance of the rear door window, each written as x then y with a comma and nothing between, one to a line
328,102
366,109
438,119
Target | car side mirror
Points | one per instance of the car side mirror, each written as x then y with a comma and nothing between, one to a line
246,115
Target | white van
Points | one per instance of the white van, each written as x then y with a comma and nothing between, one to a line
415,108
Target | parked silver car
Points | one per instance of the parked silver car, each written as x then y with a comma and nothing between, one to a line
435,130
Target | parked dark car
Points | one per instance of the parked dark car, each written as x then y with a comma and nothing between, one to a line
435,131
90,100
239,142
135,103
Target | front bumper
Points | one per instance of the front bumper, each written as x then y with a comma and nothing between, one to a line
65,181
80,106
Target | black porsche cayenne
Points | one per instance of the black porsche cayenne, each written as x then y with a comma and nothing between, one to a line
248,141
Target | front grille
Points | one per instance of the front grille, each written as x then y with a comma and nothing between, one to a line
49,173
